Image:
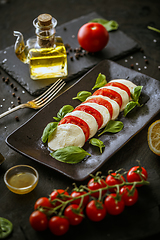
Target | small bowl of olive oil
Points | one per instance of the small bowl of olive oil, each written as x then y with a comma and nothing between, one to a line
21,179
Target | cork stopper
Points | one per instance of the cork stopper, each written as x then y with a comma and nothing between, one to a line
45,19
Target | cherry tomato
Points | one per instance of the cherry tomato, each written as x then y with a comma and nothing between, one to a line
75,194
113,179
73,214
43,202
58,225
38,221
129,195
93,37
59,194
114,206
134,174
95,210
95,184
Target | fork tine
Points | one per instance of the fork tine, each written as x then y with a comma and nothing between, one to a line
50,95
48,90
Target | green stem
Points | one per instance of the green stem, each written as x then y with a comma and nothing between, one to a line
154,29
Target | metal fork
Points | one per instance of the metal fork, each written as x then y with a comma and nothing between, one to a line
40,101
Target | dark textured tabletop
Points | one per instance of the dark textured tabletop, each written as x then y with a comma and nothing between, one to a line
141,221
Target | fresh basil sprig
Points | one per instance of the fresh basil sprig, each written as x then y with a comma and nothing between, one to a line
112,127
82,95
98,143
109,25
49,129
135,100
63,111
100,81
70,154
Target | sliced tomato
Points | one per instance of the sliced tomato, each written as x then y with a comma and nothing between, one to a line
77,121
119,85
102,102
110,94
96,114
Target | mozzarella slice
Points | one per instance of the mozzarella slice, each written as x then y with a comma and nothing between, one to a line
103,111
66,135
124,95
127,83
88,118
115,106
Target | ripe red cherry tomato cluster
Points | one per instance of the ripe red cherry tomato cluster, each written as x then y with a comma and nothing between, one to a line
100,197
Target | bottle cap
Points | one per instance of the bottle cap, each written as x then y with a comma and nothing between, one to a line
45,19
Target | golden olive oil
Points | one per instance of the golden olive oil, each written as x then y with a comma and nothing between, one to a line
22,180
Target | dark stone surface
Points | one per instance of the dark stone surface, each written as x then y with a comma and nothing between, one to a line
141,221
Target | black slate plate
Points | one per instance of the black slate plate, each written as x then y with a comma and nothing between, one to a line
27,139
119,45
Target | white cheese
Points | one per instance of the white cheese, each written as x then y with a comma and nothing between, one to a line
127,83
103,111
88,118
66,135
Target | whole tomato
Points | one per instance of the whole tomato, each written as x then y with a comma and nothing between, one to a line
129,195
57,195
114,179
58,225
42,202
74,214
136,174
75,194
93,37
95,210
38,221
113,205
96,183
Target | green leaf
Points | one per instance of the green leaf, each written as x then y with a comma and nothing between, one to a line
112,127
83,95
129,107
136,93
100,81
98,143
63,111
71,154
109,25
48,130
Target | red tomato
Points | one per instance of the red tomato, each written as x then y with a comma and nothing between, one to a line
93,37
38,221
95,184
129,195
77,121
119,85
43,202
96,114
110,94
114,179
58,225
73,214
134,174
102,102
95,210
59,194
114,206
75,194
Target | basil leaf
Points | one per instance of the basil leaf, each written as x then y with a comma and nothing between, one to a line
129,107
100,81
48,130
83,95
63,111
136,93
112,127
71,154
98,143
109,25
